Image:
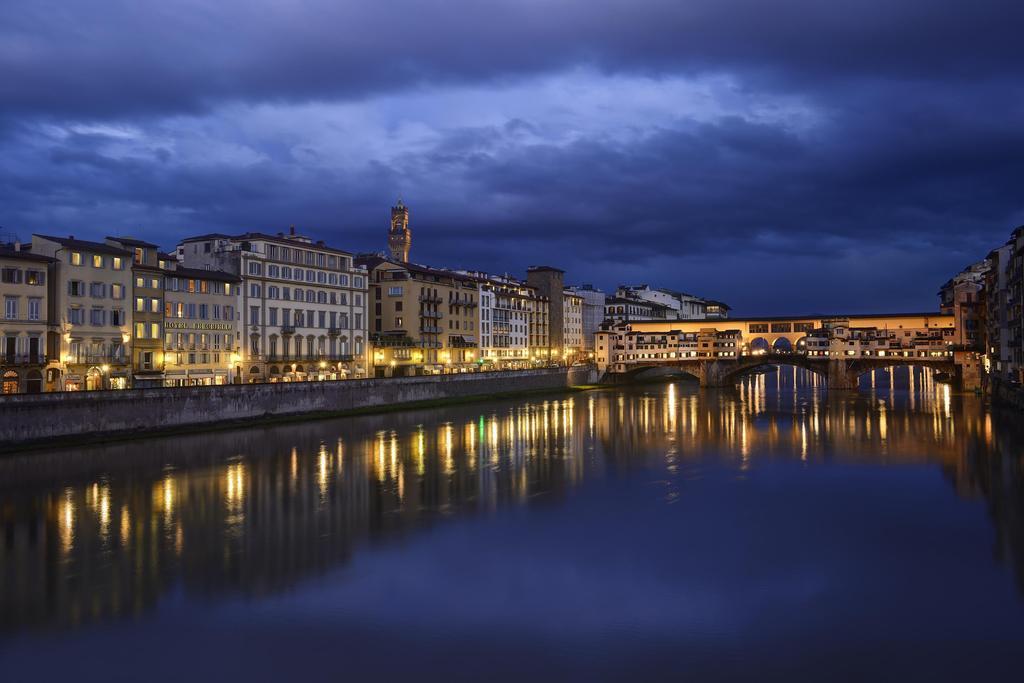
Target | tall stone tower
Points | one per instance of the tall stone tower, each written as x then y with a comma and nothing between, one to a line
399,236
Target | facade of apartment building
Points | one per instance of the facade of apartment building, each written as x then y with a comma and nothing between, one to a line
572,327
201,327
24,278
89,313
593,312
423,320
147,311
508,307
302,304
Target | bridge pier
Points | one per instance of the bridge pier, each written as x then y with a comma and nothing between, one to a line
841,376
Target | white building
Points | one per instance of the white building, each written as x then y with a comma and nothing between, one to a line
679,305
506,308
593,312
302,304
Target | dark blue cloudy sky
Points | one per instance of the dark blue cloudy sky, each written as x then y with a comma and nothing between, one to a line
782,155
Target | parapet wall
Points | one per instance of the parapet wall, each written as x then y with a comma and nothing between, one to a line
27,418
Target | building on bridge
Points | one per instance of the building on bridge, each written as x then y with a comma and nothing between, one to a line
854,342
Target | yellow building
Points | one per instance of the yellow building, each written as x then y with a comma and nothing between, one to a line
23,320
423,320
89,310
147,314
201,327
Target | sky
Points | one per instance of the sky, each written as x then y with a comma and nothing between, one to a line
792,156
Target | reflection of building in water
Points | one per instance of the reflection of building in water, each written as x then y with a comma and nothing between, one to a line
284,504
254,511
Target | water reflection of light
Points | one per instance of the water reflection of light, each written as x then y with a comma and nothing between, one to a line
126,525
234,485
321,471
104,513
449,464
66,524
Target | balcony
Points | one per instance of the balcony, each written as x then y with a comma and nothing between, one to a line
23,359
287,329
430,299
430,329
333,331
432,314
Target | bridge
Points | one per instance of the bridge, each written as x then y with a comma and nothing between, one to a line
838,348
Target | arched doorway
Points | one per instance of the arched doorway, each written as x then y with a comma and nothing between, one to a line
93,380
10,382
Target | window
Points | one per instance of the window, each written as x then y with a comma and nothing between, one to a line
154,305
154,330
97,317
76,288
97,261
11,307
117,317
12,276
35,307
118,263
76,316
394,291
140,304
97,290
255,268
357,281
254,315
140,330
116,291
203,311
140,281
273,271
154,283
76,258
254,291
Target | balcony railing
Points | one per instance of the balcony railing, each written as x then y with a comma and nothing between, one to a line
287,329
93,358
431,299
430,329
23,359
432,314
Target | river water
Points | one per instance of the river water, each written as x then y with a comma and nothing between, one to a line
651,532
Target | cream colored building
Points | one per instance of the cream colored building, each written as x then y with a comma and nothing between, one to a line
424,320
302,304
572,327
90,310
507,307
23,320
201,327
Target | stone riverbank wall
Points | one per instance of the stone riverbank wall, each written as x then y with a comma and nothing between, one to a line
38,418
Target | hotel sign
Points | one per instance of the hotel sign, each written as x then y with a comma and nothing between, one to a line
180,325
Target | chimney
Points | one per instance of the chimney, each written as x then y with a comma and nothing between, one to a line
17,245
291,230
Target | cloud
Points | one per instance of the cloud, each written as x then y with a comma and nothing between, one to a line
850,153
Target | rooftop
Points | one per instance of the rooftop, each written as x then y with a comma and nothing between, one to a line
85,245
